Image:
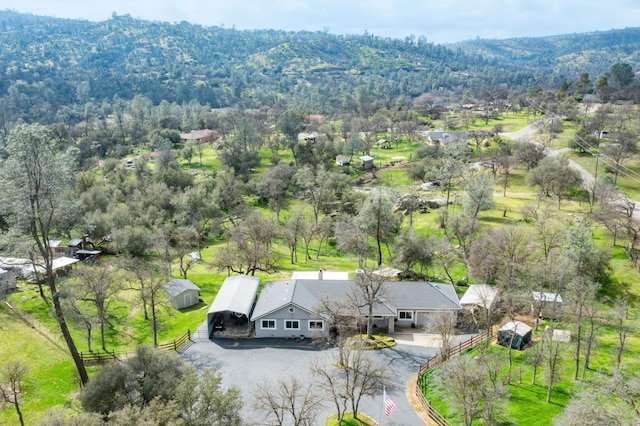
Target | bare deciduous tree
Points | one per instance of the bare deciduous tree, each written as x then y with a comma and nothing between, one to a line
11,375
347,383
288,402
149,280
621,325
99,285
367,292
444,324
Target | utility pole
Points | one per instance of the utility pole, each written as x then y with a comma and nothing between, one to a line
595,182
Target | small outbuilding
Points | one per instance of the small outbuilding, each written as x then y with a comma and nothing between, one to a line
546,305
343,160
182,293
230,311
478,303
514,333
482,295
367,162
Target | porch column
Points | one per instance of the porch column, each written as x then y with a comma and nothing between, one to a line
392,324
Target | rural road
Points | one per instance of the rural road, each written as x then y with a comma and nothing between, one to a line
588,180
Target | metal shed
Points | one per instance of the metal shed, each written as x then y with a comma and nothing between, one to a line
230,311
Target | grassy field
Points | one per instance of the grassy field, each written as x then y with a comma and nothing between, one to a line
527,404
51,379
53,383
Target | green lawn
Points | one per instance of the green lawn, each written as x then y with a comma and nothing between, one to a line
51,379
527,402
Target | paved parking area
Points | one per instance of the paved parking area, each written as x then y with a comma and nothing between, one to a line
244,363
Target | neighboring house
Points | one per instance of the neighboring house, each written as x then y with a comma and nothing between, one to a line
316,119
546,305
290,308
182,293
516,333
438,136
199,136
230,311
24,268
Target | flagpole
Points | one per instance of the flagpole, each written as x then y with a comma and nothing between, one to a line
382,408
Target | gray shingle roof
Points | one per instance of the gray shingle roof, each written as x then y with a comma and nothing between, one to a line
177,286
402,295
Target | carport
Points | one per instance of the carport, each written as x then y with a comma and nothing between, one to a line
230,311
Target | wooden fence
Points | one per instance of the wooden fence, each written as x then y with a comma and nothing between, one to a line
177,345
93,358
454,351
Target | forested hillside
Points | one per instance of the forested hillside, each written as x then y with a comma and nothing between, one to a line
49,62
566,55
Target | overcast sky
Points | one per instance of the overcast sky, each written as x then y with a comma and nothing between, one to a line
440,21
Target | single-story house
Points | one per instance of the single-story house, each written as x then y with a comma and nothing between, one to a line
439,136
309,137
7,281
516,333
182,293
290,308
546,305
199,136
315,119
230,311
27,271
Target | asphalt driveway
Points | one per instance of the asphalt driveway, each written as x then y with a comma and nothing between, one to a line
244,363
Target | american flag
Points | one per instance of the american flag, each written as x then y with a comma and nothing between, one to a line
389,405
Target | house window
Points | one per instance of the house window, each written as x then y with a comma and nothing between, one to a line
316,325
292,325
268,324
405,315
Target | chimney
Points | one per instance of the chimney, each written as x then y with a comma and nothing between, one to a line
320,274
360,276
